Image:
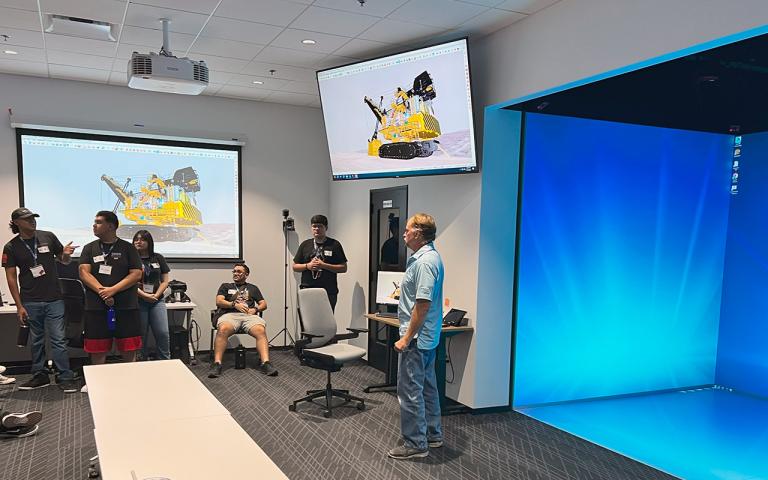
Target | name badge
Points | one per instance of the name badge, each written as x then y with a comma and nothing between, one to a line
43,249
105,269
328,253
37,271
148,287
155,265
98,258
231,291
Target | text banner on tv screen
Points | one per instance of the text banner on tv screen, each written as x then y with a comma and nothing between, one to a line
401,115
185,194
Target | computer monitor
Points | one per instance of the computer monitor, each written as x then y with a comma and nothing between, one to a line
388,287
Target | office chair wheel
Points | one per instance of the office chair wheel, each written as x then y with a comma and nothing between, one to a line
361,406
327,413
291,408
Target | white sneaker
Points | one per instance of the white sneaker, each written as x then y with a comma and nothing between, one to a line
2,369
6,380
84,389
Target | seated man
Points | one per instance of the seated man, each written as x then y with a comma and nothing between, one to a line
17,425
239,306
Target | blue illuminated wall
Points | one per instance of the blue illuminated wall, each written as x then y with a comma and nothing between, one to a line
622,244
742,357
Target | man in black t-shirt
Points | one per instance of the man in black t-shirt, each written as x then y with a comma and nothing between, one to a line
319,259
240,305
110,268
39,304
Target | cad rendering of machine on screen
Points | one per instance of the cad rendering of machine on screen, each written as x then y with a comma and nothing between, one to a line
388,287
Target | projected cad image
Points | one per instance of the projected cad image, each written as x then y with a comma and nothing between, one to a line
405,114
186,197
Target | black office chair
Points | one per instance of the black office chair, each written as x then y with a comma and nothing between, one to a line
73,294
318,347
215,314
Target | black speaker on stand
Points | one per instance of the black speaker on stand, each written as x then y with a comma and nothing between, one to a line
288,226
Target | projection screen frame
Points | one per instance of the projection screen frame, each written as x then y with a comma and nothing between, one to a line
161,140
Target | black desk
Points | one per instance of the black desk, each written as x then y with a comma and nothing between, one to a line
390,373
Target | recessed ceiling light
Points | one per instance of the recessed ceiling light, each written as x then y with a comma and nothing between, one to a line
258,82
11,52
308,41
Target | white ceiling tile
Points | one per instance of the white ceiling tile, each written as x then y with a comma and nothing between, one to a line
195,6
437,13
25,38
80,45
21,19
268,83
120,66
154,39
24,54
125,50
300,87
77,73
334,61
288,98
221,64
231,29
359,48
491,21
526,6
486,3
59,57
314,103
285,72
102,10
377,8
388,29
286,56
21,67
334,22
212,88
118,78
21,4
242,92
219,77
291,38
272,12
148,17
226,48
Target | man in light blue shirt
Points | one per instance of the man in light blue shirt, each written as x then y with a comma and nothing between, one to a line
420,313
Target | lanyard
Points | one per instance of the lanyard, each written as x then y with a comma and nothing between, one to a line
108,252
32,250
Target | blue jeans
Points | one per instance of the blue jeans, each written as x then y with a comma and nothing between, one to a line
418,396
48,316
155,316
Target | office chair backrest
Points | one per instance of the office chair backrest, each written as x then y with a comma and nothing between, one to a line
316,315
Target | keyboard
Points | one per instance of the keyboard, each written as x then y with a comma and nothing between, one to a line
387,314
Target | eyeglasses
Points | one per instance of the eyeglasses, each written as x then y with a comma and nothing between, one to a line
239,272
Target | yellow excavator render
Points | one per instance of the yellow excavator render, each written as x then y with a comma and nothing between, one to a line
167,208
409,124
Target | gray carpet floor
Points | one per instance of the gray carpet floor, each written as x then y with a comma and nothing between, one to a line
305,445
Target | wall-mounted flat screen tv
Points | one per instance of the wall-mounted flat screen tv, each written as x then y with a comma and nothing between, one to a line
401,115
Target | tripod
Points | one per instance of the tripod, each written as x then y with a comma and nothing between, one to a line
287,226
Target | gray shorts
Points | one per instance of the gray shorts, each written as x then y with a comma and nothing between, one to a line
242,322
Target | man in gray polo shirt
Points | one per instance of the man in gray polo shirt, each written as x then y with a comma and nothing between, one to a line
420,313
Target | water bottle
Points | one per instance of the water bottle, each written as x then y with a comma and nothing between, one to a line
111,321
240,357
23,337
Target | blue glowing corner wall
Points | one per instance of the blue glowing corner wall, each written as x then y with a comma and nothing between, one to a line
622,241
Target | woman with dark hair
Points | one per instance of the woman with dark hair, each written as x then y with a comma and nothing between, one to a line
154,281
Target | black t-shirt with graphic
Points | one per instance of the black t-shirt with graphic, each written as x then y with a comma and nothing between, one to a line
153,268
246,292
42,250
330,251
122,257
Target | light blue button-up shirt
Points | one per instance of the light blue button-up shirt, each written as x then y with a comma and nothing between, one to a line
423,280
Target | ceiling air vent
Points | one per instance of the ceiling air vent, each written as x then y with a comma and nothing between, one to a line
79,27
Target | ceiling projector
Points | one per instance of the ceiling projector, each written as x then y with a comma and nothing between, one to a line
162,72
